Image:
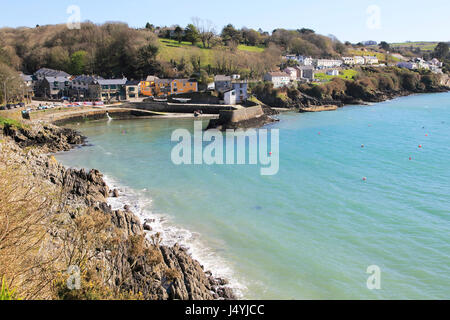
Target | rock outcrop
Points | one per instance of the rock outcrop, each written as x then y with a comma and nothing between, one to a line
150,269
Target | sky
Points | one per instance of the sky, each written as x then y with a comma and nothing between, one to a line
348,20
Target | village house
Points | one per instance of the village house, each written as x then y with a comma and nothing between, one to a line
241,89
327,63
29,82
179,86
52,87
132,90
278,78
229,97
45,72
306,73
350,61
301,60
222,83
436,62
292,72
332,72
407,65
79,86
359,60
109,89
166,87
370,60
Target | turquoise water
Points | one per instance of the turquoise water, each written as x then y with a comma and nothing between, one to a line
312,230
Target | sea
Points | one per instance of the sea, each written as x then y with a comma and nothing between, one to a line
359,208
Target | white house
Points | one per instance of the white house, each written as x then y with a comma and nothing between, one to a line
436,63
349,61
327,63
359,60
305,72
333,72
229,97
370,60
241,90
301,60
407,65
278,78
292,72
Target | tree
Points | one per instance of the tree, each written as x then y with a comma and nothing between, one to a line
306,31
10,84
78,62
385,46
146,61
149,26
441,51
192,34
206,30
229,33
179,33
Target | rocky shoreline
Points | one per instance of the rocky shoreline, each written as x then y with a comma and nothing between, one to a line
162,273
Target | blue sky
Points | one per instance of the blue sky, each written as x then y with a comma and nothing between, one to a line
399,20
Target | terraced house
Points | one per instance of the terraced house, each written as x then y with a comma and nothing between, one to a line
110,89
166,87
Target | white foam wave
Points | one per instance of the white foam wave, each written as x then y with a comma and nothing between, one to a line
171,234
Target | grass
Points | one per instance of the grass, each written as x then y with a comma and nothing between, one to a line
344,74
381,56
6,293
422,45
173,50
7,121
244,47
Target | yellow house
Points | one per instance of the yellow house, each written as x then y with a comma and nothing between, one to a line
161,87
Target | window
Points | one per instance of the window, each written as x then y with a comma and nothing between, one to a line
131,89
105,87
132,95
113,86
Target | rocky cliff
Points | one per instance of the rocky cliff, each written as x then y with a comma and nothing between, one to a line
124,258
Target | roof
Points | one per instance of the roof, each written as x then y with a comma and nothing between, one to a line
304,67
164,81
133,83
106,82
221,77
151,78
45,72
278,74
186,80
26,77
85,78
56,79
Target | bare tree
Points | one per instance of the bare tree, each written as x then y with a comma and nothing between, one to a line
206,30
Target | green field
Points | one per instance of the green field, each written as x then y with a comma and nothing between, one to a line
244,47
343,74
422,45
173,50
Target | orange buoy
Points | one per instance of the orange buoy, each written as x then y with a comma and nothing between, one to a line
364,179
420,146
410,158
